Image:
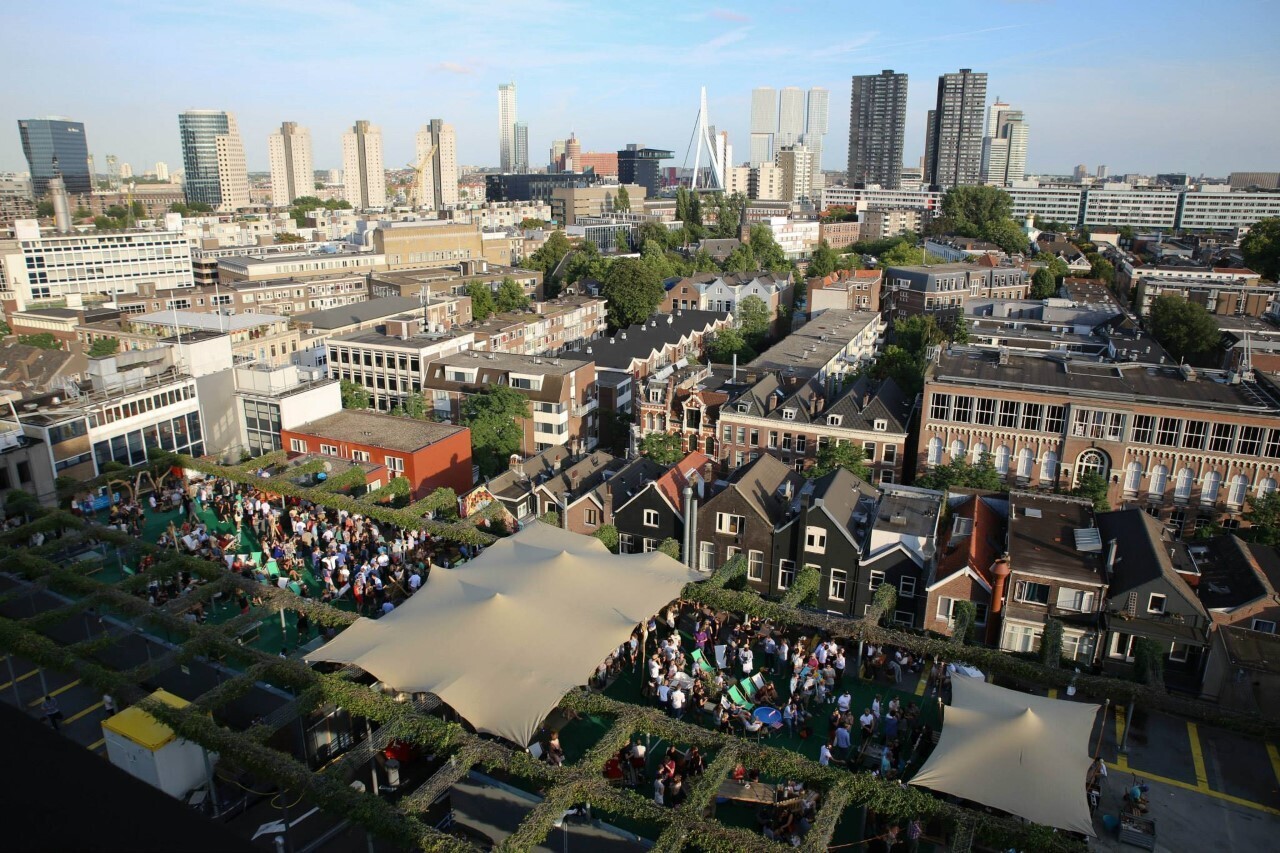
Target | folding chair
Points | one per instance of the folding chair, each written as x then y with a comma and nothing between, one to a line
273,568
748,688
702,661
295,587
758,681
735,695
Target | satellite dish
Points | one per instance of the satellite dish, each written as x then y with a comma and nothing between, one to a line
328,466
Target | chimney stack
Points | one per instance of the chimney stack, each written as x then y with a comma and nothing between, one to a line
1001,569
564,515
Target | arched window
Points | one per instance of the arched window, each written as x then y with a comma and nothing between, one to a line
979,451
1002,459
1237,490
935,451
1026,461
1182,485
1091,462
1049,467
1159,481
693,444
1132,478
957,451
1266,487
1209,491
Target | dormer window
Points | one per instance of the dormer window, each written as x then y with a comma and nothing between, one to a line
742,408
834,420
881,425
788,414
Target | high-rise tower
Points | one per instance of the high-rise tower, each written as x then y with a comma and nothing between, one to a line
877,120
764,124
507,127
45,140
292,171
364,180
816,124
956,130
440,177
214,171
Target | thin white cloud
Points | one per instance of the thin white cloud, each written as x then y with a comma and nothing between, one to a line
453,68
729,15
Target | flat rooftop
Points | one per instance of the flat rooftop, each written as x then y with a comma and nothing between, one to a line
358,312
360,426
219,323
1043,537
544,365
1163,384
816,342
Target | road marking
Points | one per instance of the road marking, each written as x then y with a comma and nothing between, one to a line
1197,757
93,747
1053,693
54,693
9,684
1274,755
1207,791
69,720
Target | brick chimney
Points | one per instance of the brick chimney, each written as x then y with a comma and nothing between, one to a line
1000,569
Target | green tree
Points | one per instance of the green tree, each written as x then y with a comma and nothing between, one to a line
20,503
882,604
1103,269
1043,285
4,329
753,317
632,291
530,223
44,209
81,212
728,343
510,296
963,614
608,534
622,201
353,396
1185,329
1051,643
587,262
903,367
104,346
44,340
415,406
957,329
622,240
728,215
494,417
972,210
1057,266
550,253
741,259
1093,486
289,237
768,254
1006,234
662,447
483,305
107,223
654,256
845,455
905,254
1148,662
671,548
1263,516
1261,248
916,334
823,262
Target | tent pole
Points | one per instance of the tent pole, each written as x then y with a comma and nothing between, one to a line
1097,750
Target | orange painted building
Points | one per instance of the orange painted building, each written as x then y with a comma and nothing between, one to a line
428,454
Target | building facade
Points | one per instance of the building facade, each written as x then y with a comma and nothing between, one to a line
364,180
877,119
293,173
56,145
437,149
214,170
954,156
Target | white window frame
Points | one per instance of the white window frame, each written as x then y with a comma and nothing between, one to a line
874,579
1179,652
729,523
905,582
815,539
755,565
786,573
650,518
648,545
329,450
298,445
1151,602
839,581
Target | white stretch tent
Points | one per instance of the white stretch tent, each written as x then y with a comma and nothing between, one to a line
1022,754
502,638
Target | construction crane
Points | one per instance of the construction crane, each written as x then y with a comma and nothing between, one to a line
416,191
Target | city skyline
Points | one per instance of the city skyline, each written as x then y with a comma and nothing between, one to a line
1062,87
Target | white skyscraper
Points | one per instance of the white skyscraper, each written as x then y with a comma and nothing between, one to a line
126,171
440,176
764,124
364,178
507,127
292,171
1004,148
790,115
816,125
162,171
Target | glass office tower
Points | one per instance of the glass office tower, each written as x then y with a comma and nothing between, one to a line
43,140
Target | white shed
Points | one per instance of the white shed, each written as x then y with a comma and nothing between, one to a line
147,749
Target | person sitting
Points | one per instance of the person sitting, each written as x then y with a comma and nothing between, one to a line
750,725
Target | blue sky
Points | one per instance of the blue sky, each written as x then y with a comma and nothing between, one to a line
1140,86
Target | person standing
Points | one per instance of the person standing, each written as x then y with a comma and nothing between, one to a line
52,713
914,831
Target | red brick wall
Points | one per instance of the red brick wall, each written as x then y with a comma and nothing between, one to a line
445,463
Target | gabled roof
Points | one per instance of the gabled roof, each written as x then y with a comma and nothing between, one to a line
1235,573
581,476
642,340
521,479
976,550
760,484
629,481
1142,554
845,497
858,406
687,470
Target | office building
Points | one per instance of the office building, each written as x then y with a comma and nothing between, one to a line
1004,148
1246,180
571,203
162,171
532,186
764,183
764,124
437,156
56,144
955,130
95,264
877,119
364,179
292,171
507,127
557,154
797,167
640,165
790,115
521,164
816,124
1189,446
214,171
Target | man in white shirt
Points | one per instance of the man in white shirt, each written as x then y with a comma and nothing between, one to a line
415,581
677,703
822,654
824,755
843,702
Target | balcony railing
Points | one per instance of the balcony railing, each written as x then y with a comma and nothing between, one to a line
589,405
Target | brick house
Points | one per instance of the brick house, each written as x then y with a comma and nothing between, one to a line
740,517
969,563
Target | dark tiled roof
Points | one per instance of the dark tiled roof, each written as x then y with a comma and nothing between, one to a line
858,407
641,341
1142,553
360,312
760,483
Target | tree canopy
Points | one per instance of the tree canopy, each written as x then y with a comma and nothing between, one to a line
768,254
753,317
1261,248
960,473
302,205
1043,284
823,262
483,305
353,396
104,346
832,456
969,210
1186,330
622,201
43,340
1093,486
728,343
510,296
1264,516
632,291
904,253
494,417
662,447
